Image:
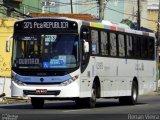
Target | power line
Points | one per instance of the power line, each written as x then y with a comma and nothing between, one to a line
64,4
87,3
95,2
130,14
76,3
60,4
89,9
11,9
37,9
119,11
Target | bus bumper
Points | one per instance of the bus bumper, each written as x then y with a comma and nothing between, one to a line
46,91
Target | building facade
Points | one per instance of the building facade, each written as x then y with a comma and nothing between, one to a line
152,14
6,31
131,9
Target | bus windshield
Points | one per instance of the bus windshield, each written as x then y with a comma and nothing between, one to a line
46,51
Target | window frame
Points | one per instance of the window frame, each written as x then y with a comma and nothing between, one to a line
134,37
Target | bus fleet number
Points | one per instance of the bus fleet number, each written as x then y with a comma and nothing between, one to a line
99,65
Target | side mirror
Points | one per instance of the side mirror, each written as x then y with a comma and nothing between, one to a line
85,35
86,46
85,32
7,46
8,43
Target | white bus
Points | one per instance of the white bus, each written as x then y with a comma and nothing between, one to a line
62,58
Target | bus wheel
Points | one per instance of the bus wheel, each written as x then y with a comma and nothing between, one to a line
92,100
37,103
87,102
131,100
134,96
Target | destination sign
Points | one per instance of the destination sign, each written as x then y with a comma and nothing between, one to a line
42,26
28,61
45,25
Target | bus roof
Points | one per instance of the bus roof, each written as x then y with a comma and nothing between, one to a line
116,27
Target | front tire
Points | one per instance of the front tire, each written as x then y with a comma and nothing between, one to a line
92,100
37,103
88,102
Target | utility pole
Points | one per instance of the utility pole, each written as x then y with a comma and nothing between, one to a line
101,9
158,38
158,24
138,16
71,6
9,11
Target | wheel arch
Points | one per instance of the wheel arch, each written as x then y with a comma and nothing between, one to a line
98,86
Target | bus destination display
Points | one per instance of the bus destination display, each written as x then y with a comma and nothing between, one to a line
45,25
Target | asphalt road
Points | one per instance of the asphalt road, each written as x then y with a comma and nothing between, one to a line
148,107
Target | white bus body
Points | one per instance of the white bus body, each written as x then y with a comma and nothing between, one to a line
113,76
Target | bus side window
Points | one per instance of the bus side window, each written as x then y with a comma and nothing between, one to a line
144,48
137,47
121,43
113,44
129,42
95,42
104,43
151,48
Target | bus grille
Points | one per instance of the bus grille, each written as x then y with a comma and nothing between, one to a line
33,92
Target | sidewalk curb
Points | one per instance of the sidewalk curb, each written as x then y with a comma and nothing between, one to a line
152,93
13,100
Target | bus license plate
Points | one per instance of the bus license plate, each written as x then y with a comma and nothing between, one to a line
41,91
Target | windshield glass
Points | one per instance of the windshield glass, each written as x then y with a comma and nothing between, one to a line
46,51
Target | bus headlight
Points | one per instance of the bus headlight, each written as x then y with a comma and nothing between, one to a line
67,82
19,82
16,80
